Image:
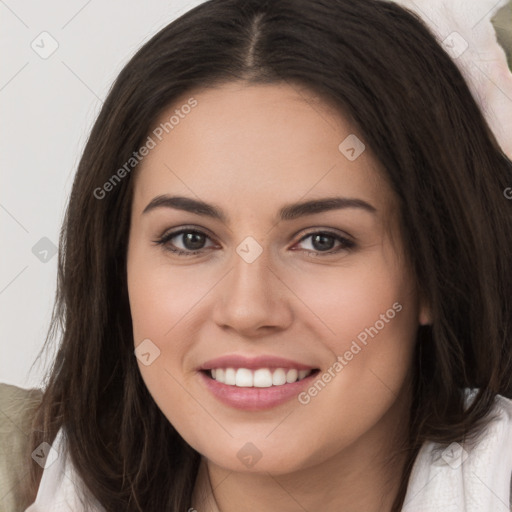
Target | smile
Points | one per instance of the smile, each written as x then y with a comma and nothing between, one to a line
259,378
257,388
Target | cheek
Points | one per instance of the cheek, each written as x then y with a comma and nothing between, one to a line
369,321
161,306
368,317
348,300
157,304
167,304
163,298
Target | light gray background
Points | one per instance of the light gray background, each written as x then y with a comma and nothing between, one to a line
47,108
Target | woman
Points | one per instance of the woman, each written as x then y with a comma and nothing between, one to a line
284,276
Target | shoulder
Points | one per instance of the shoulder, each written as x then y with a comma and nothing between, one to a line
498,430
503,407
17,409
470,477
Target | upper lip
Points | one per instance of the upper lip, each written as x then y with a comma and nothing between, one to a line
264,361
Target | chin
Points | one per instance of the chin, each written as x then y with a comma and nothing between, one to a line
265,456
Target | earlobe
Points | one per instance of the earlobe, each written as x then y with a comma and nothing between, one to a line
425,316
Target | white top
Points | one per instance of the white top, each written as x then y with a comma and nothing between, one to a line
463,478
457,479
60,484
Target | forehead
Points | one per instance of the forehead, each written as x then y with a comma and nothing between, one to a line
249,145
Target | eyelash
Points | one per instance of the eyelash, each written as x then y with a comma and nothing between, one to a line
346,244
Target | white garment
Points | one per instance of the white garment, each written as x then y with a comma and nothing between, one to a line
60,482
477,479
465,479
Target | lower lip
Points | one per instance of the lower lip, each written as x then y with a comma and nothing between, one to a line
255,399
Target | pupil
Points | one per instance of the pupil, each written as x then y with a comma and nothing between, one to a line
323,244
193,241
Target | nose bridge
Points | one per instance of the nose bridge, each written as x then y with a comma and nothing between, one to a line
251,295
251,267
250,278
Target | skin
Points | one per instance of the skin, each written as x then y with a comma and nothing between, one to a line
250,150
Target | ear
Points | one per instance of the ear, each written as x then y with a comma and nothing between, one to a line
424,315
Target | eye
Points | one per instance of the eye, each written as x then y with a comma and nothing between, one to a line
322,242
192,241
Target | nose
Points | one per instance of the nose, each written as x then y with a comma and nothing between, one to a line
252,300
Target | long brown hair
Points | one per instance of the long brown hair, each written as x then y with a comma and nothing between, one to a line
388,74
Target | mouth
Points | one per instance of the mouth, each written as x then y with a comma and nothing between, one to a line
256,389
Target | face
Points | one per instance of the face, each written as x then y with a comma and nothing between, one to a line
268,286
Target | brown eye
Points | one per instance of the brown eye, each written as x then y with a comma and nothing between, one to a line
325,241
192,241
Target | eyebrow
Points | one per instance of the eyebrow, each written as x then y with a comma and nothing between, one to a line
287,212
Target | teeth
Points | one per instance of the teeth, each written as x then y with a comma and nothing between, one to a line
292,375
260,378
230,377
279,377
304,373
244,378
